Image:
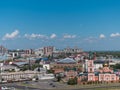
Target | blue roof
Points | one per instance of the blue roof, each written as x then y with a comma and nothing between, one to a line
45,59
66,60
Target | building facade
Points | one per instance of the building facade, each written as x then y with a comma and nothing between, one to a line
3,50
48,51
104,74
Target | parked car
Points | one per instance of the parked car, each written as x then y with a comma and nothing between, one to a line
4,88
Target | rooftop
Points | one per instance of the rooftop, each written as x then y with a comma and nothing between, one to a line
66,61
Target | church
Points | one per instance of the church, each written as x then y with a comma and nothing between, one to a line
103,74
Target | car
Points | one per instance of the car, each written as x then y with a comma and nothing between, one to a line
26,82
4,88
4,81
51,84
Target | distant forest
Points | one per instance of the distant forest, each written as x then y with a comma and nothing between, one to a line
115,54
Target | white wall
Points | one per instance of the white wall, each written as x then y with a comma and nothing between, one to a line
46,66
97,66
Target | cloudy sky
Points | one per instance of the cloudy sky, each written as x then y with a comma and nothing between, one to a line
87,24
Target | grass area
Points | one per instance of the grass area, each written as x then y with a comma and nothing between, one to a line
26,84
107,89
109,86
103,86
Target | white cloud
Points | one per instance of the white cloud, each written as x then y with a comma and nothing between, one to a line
102,36
91,39
69,36
53,36
115,35
35,36
11,35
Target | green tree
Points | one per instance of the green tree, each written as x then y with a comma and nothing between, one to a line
72,81
58,78
117,66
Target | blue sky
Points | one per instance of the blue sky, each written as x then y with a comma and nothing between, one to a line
87,24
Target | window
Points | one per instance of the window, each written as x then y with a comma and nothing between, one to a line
112,78
107,79
102,78
90,64
91,78
90,69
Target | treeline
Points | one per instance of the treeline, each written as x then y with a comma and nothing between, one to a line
115,54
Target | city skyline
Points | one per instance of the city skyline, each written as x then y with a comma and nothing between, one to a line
87,24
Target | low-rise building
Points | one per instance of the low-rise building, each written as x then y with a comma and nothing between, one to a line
103,74
67,67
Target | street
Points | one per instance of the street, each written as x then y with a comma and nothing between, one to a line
50,84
